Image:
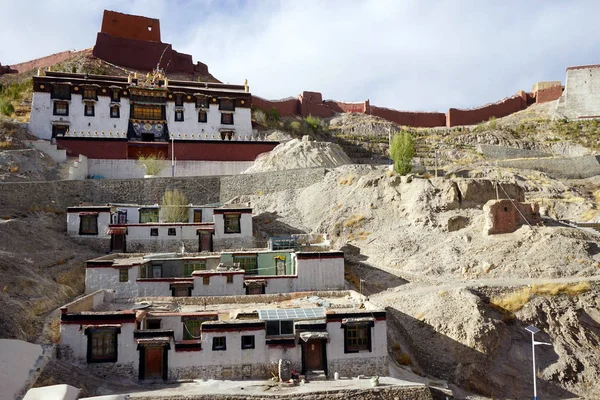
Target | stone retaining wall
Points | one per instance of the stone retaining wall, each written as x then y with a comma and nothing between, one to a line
566,168
500,153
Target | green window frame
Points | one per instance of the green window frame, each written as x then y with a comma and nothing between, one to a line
247,263
148,215
189,267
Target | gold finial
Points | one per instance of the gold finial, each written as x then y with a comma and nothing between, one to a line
246,85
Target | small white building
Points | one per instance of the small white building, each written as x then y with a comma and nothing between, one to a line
198,338
141,228
216,274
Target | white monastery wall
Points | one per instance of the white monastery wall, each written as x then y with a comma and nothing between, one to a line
218,285
41,114
320,274
245,227
73,225
208,130
131,169
581,97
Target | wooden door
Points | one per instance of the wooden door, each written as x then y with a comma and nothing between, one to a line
205,241
313,355
118,242
154,362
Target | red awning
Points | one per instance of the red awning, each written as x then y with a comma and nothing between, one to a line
113,230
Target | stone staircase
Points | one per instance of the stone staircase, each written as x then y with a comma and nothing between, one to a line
316,375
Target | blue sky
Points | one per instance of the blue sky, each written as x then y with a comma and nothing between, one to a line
420,55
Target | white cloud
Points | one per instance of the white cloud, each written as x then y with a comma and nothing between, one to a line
412,55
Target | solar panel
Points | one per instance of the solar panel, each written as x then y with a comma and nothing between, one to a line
291,313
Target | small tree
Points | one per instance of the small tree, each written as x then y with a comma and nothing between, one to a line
153,163
402,151
174,206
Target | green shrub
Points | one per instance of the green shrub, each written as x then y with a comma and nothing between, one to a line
402,151
153,163
6,108
313,122
274,114
296,127
492,123
174,206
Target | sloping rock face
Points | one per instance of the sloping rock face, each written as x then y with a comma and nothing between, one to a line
300,154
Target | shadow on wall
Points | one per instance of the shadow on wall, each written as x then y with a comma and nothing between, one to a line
504,373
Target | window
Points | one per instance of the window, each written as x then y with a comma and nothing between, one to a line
148,215
88,224
61,92
201,102
115,95
357,338
229,278
102,345
190,267
172,232
226,105
178,100
197,216
59,130
202,116
124,275
89,93
115,112
179,115
206,280
191,329
232,223
219,343
88,109
153,324
247,263
248,342
226,118
279,328
153,231
144,111
61,108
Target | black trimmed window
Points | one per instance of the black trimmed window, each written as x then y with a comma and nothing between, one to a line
172,232
115,95
232,223
229,278
89,109
202,116
115,112
247,342
62,92
179,115
153,231
201,102
219,343
247,263
227,118
88,224
124,275
226,105
357,337
179,100
102,345
153,323
197,216
61,108
206,280
148,215
89,93
280,328
191,329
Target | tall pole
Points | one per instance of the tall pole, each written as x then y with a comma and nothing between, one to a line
390,144
533,352
172,155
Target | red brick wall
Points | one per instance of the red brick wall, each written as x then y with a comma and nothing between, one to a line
311,103
341,107
43,62
284,107
408,118
130,26
548,94
93,148
476,115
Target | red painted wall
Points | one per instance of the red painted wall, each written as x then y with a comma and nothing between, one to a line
43,62
93,148
408,118
311,103
473,116
548,94
221,150
130,26
284,107
341,107
184,150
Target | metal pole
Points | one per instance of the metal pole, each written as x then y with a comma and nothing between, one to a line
533,352
172,155
390,144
